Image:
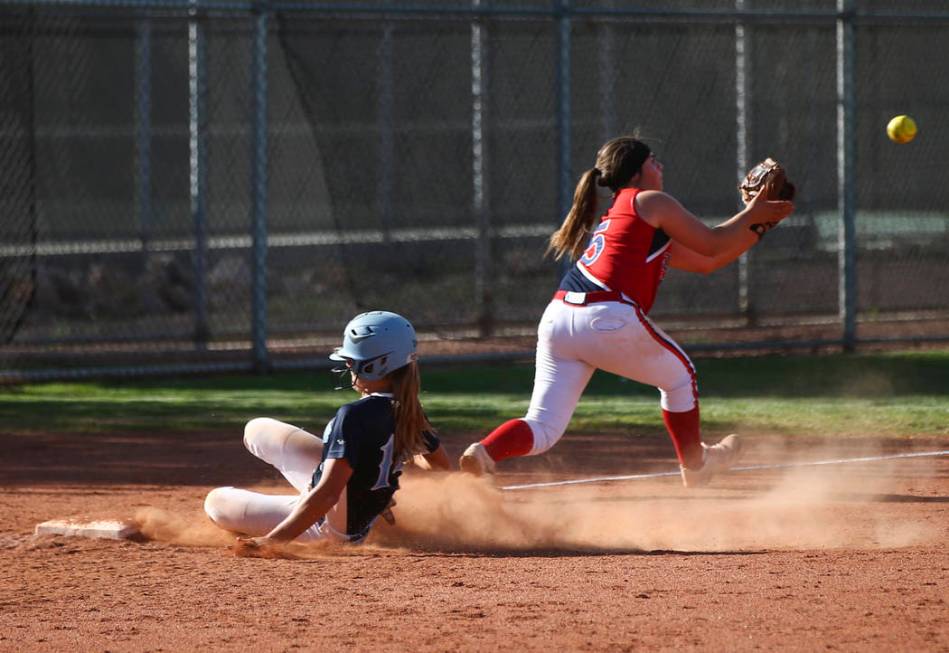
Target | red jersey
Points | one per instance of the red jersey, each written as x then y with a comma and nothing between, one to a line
626,253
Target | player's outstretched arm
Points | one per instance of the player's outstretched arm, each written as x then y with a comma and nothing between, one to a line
683,258
336,474
724,241
437,460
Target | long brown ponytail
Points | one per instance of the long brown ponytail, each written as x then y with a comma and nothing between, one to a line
617,161
410,420
572,235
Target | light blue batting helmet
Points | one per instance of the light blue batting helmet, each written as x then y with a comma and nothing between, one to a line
377,343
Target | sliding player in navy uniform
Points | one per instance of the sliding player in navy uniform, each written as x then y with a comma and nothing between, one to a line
345,480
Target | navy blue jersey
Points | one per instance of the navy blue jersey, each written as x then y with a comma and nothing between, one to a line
363,432
574,281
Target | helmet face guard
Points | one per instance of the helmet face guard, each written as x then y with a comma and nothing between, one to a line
346,380
375,344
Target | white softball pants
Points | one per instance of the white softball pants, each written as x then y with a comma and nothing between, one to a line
573,341
296,454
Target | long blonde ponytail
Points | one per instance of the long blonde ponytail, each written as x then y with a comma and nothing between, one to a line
410,419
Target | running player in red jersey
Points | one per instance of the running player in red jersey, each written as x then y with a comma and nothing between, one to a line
597,318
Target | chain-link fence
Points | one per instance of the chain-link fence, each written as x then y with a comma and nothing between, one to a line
208,185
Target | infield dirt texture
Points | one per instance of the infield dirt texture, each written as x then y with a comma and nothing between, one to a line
840,557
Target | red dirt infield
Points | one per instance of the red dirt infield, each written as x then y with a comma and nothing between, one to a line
840,557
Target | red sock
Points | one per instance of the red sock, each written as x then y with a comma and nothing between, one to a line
686,437
513,438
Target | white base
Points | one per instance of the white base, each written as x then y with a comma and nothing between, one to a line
107,528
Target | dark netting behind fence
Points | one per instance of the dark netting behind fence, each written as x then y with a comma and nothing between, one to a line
383,169
17,173
417,159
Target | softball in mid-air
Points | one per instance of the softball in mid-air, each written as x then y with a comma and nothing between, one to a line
901,129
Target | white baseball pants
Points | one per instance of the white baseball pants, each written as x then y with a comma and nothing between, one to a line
296,454
573,341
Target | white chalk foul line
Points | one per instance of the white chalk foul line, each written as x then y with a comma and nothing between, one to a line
747,468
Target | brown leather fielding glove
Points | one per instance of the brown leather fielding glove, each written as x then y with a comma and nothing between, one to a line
770,177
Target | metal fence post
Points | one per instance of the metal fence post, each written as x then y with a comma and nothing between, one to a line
143,133
479,72
606,61
197,142
258,184
743,132
564,166
846,172
384,117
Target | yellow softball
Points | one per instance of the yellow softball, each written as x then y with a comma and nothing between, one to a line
901,129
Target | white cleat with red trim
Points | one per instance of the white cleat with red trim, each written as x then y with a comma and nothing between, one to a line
476,460
718,458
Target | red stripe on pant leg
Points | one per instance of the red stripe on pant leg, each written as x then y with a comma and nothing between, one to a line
684,428
511,439
673,349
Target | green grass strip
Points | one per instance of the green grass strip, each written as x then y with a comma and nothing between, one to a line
893,394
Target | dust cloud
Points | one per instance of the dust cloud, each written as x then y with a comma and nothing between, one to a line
833,506
853,505
174,528
196,530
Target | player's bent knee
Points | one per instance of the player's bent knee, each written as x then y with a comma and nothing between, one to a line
227,507
254,430
679,398
221,508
